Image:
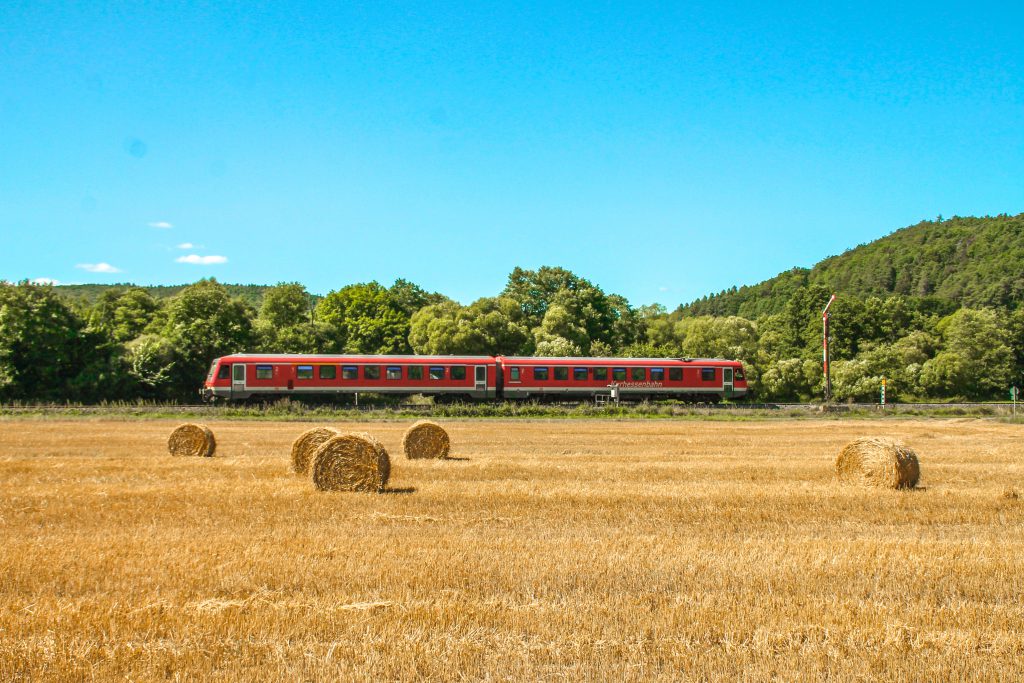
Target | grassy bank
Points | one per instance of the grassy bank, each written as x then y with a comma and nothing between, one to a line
299,411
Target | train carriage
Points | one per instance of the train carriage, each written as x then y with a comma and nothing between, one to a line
685,379
243,376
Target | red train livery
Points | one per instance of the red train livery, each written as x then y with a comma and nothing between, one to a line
244,376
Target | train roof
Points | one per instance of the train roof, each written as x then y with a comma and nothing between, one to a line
342,357
522,360
609,360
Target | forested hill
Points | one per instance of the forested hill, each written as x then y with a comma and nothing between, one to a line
973,262
88,295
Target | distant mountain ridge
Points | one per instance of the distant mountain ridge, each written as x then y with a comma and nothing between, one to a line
89,294
973,262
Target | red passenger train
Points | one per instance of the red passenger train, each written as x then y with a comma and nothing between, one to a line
465,378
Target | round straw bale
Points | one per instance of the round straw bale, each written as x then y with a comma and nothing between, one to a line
192,439
305,446
878,461
351,462
426,439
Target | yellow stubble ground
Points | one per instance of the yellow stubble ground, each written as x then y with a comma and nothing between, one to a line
545,550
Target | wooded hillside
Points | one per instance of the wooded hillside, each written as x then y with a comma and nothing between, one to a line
973,262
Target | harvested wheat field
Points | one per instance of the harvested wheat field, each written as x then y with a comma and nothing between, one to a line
541,550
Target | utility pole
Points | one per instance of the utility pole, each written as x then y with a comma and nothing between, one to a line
825,355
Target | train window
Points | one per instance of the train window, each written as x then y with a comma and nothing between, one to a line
394,372
415,372
238,373
436,372
349,372
707,374
224,372
561,373
619,374
540,374
328,371
264,372
675,374
304,372
739,373
601,374
513,374
580,374
371,372
657,374
457,372
638,374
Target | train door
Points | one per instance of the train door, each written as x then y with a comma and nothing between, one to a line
238,378
727,382
481,379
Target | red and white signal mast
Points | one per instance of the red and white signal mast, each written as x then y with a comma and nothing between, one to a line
825,356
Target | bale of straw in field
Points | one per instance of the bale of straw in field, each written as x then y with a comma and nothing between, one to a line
192,439
426,439
351,462
305,446
878,461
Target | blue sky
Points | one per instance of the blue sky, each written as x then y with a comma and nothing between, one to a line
663,151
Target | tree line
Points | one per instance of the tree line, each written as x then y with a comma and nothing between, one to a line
128,344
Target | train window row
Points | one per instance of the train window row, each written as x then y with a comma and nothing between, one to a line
561,373
351,372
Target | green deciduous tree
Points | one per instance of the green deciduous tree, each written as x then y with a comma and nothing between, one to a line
977,360
790,378
583,313
286,305
367,318
411,297
122,315
47,353
487,326
286,323
150,360
203,323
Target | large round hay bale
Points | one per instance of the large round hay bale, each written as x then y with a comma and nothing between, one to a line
426,439
192,439
304,447
351,462
878,461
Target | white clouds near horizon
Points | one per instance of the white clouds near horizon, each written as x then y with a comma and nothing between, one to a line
186,245
202,260
44,281
161,224
98,267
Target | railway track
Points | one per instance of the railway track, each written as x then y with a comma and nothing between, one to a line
227,409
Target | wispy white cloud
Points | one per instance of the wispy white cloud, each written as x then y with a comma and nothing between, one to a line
161,224
202,260
98,267
44,281
186,245
663,289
